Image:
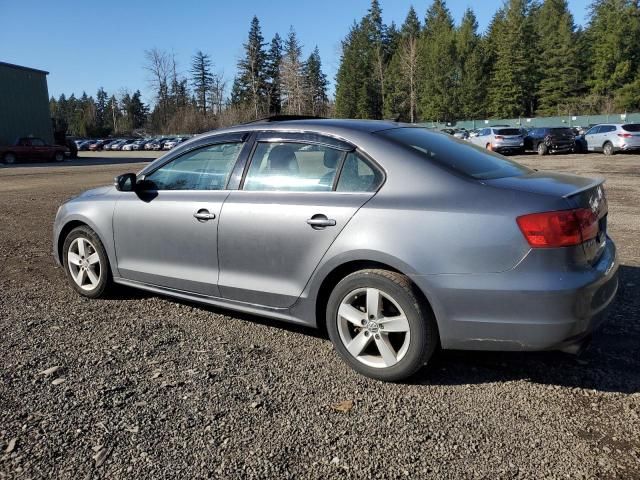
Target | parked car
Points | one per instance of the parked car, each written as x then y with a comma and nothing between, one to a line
32,148
120,144
84,145
158,144
109,144
171,143
130,146
550,140
611,138
98,145
396,239
500,139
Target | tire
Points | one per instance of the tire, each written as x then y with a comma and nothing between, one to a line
58,157
9,158
608,149
542,149
88,286
408,343
489,147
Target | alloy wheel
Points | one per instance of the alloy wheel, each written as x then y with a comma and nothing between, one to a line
84,263
373,327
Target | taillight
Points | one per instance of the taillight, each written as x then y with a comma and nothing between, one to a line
625,135
564,228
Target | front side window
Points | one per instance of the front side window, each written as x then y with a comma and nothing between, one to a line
288,166
206,168
593,130
358,175
36,142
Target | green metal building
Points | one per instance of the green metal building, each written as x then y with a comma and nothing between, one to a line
24,104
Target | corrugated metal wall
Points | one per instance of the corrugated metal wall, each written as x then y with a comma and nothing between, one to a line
24,105
568,121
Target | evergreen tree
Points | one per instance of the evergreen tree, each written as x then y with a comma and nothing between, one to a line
250,83
472,72
510,89
614,37
315,85
560,75
437,65
401,99
201,78
101,111
291,75
272,70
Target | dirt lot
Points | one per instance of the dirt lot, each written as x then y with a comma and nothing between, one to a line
149,387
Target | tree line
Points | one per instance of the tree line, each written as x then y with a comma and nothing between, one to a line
271,79
532,60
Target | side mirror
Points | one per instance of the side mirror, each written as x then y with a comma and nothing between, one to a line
125,182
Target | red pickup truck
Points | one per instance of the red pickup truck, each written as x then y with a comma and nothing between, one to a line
30,148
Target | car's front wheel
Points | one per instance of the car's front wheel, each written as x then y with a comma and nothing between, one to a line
542,149
86,263
58,157
380,325
9,158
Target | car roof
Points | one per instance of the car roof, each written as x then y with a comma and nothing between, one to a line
328,125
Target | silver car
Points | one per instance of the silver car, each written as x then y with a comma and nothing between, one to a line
395,239
613,137
499,139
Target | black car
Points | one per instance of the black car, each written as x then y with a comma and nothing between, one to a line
550,140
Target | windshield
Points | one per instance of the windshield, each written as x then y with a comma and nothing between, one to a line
507,131
458,155
633,127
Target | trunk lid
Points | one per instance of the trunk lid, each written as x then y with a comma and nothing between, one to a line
579,192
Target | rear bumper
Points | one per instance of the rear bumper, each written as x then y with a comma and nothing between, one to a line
523,309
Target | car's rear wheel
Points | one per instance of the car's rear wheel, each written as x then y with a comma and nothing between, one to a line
86,263
542,149
608,148
9,158
380,325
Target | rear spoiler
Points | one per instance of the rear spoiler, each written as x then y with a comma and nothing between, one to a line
596,181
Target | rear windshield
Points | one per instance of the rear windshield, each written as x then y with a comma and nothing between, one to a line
458,155
507,131
633,127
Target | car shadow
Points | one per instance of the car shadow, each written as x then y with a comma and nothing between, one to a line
610,364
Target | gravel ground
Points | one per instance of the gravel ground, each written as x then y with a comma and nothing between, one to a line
147,387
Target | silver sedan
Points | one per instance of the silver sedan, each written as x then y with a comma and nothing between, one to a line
395,239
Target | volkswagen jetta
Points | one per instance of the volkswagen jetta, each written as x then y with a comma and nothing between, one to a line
396,239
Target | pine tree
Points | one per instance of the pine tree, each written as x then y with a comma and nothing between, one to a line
315,85
291,75
401,99
471,87
510,89
614,38
250,83
272,71
437,65
201,78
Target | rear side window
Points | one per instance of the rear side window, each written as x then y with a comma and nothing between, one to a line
458,155
288,166
507,131
358,175
607,129
632,127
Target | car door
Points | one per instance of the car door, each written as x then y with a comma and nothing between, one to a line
40,150
591,137
606,134
165,233
290,208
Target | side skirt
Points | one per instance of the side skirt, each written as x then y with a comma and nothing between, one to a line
282,314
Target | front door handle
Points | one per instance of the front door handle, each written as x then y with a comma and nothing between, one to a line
320,221
203,215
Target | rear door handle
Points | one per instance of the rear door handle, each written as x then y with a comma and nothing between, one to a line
203,215
319,221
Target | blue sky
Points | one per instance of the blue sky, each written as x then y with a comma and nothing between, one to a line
85,45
